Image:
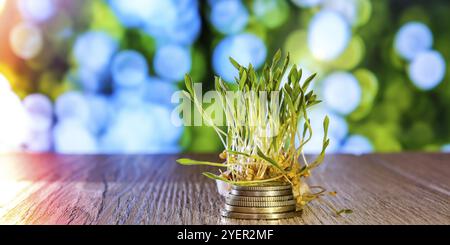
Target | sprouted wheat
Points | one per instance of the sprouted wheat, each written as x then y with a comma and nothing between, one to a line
254,153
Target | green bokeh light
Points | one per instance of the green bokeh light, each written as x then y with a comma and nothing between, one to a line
352,55
103,19
369,86
272,13
364,12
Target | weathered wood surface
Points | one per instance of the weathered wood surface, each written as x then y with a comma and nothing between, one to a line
407,188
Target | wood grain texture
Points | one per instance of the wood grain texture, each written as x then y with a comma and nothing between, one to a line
407,188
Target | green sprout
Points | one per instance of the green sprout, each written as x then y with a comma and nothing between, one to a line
261,140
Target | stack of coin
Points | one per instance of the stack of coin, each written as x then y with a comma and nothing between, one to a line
268,201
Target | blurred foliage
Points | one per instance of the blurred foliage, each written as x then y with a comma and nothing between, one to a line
393,113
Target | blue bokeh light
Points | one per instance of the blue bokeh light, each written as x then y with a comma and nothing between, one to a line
160,14
245,48
130,13
356,144
341,92
427,69
328,35
413,38
40,111
172,62
446,148
100,112
185,29
129,68
140,13
72,105
86,79
38,11
93,50
307,3
346,8
167,133
144,128
229,16
128,97
158,91
38,142
338,130
131,130
71,137
38,104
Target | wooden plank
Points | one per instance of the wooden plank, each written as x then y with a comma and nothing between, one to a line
430,170
408,188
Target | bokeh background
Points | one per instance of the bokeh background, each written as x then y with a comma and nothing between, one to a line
96,76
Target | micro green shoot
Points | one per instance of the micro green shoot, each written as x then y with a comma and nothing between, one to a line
262,141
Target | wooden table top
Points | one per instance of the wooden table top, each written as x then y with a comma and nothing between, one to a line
406,188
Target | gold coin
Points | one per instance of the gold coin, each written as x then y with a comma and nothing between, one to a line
259,210
260,204
236,215
263,187
260,199
261,193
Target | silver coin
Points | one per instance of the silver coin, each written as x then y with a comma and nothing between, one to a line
261,193
260,199
259,210
264,187
272,216
260,204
